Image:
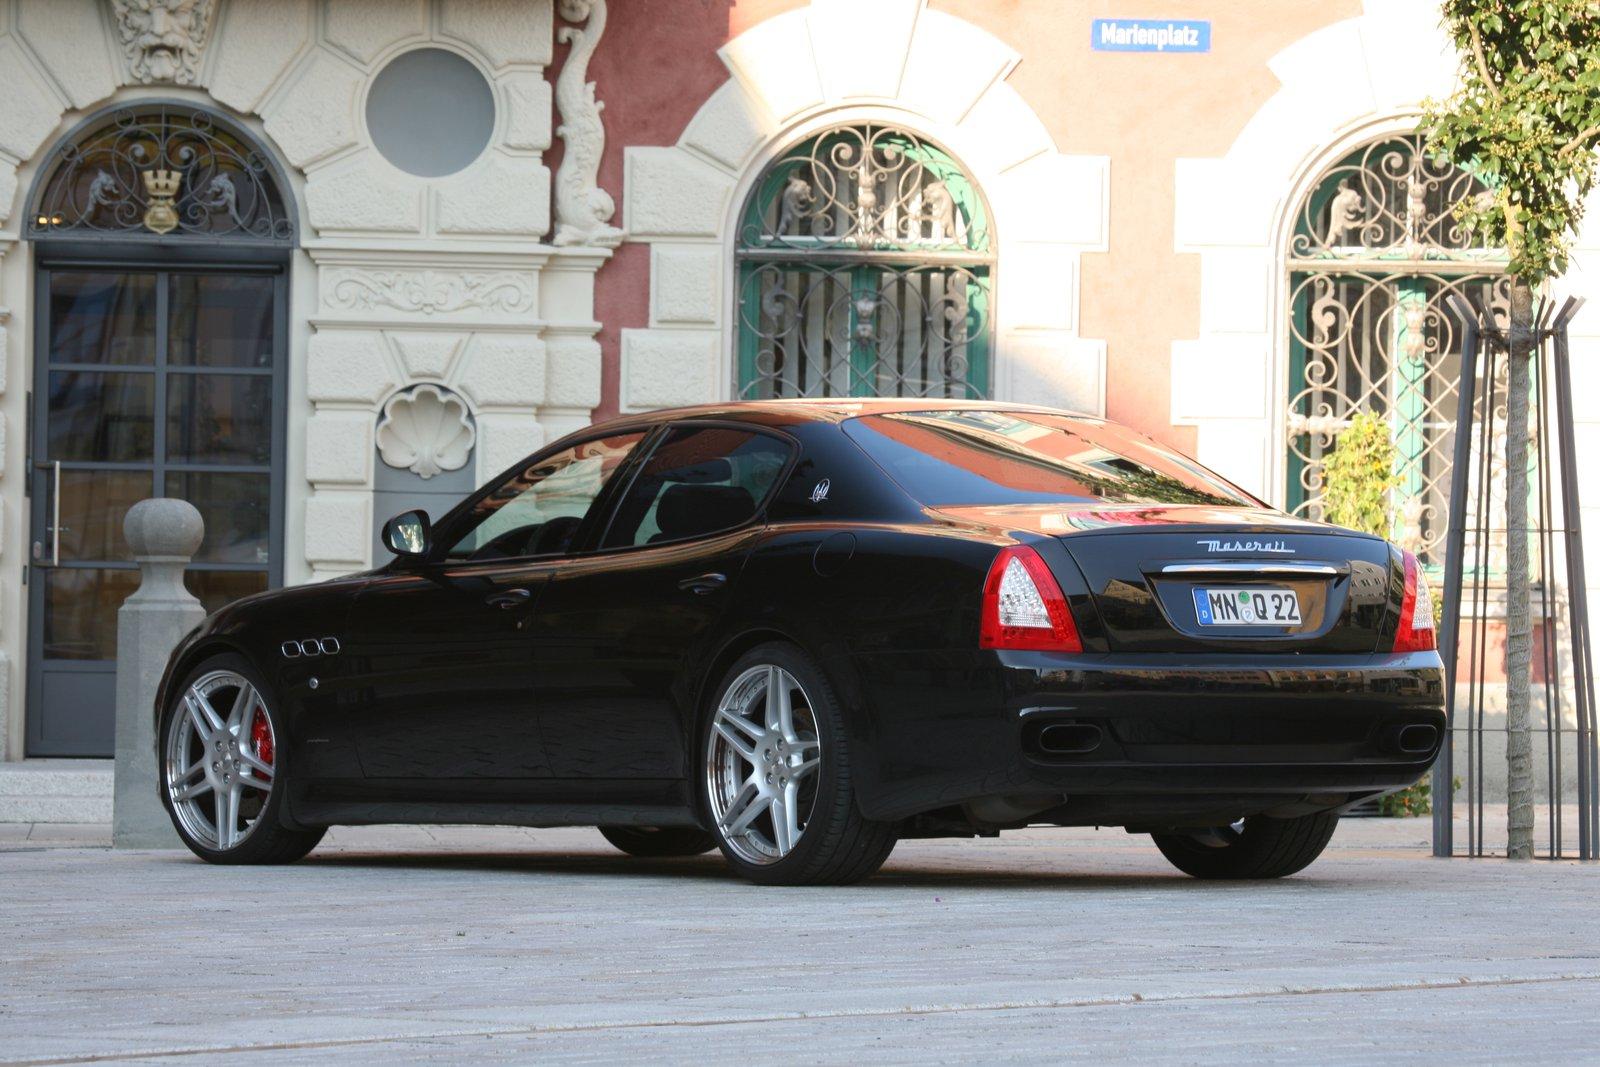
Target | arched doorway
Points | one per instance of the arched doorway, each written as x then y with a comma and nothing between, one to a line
865,268
1373,255
161,240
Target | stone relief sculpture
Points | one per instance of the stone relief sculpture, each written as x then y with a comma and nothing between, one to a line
583,209
427,430
163,38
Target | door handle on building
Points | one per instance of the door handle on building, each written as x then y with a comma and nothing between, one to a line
55,519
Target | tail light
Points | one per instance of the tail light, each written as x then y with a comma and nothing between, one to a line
1023,608
1416,632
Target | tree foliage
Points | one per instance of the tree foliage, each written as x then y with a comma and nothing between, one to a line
1526,121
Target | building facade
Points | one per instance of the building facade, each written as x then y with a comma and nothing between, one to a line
309,262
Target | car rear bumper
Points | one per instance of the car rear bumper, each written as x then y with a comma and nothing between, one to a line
940,731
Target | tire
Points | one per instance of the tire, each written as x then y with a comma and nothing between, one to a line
262,839
652,842
1264,848
829,842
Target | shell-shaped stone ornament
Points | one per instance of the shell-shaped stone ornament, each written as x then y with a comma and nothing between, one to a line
426,429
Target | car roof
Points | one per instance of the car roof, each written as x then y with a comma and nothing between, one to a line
823,409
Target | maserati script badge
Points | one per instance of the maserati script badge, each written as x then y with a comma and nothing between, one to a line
1246,546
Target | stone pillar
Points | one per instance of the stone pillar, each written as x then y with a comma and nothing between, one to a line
164,535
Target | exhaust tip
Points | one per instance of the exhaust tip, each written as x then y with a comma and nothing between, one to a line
1418,739
1069,738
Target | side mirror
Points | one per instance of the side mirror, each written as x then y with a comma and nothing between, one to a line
408,533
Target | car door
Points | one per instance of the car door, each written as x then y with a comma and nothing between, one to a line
618,626
442,648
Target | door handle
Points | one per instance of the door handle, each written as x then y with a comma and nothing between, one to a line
703,584
509,599
39,557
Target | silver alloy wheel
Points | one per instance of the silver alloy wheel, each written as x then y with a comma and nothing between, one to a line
762,756
218,768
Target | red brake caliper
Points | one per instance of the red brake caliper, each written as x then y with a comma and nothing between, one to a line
261,737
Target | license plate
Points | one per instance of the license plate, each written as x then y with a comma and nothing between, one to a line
1246,605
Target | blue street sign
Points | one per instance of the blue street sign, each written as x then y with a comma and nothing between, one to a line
1150,35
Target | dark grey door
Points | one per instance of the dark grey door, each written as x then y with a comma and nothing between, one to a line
147,383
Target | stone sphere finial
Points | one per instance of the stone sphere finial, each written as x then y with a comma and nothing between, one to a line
163,528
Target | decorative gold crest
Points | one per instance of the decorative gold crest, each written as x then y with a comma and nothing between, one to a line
162,185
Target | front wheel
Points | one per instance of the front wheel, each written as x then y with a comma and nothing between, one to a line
221,771
779,788
1256,847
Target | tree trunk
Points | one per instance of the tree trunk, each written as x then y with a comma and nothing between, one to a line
1519,627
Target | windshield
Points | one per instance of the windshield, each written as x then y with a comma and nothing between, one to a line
1027,457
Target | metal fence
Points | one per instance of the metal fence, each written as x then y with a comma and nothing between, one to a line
1563,713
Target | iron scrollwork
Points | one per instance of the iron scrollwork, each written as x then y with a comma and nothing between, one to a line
155,170
865,271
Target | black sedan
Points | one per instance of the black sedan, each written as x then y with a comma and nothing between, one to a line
801,631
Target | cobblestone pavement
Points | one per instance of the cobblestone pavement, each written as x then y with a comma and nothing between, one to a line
428,944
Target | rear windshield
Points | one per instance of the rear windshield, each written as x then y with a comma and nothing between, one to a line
1025,457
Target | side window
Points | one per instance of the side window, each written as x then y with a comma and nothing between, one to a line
536,511
699,480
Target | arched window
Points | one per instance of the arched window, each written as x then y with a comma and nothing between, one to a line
865,264
152,170
1374,253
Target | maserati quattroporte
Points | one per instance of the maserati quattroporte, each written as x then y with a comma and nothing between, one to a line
801,631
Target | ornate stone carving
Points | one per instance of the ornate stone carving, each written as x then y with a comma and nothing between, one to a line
163,38
426,429
430,292
583,209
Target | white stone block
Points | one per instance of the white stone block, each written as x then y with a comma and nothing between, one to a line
668,368
339,527
1239,451
315,114
503,370
861,48
1408,56
498,195
1216,204
8,189
1235,287
1220,378
505,31
774,62
730,126
670,193
28,109
339,447
427,354
366,196
349,365
572,377
528,102
365,28
255,43
69,37
951,64
1001,130
1041,285
505,439
685,283
1056,370
1053,198
5,360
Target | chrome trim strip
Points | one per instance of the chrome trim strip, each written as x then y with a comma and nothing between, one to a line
1325,570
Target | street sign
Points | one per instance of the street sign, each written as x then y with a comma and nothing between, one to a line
1150,35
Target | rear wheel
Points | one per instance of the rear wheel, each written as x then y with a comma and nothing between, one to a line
222,768
1256,847
779,788
657,841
